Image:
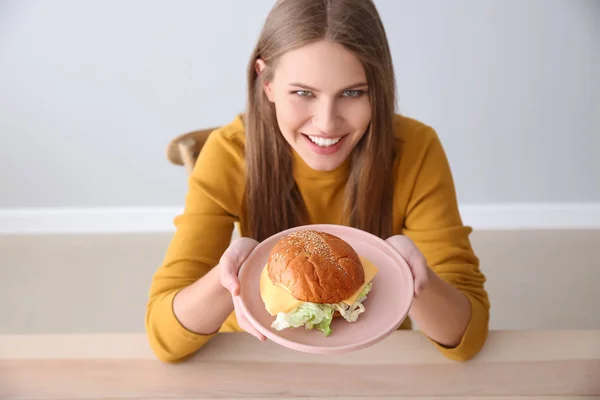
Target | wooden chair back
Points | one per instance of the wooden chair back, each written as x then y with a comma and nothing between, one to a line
184,149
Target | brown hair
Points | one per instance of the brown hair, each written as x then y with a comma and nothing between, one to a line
272,199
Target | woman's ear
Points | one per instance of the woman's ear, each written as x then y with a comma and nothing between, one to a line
260,67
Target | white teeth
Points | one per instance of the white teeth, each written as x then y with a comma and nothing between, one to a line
322,142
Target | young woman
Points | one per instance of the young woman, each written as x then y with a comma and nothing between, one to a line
320,143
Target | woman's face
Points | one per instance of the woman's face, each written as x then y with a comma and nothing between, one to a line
321,101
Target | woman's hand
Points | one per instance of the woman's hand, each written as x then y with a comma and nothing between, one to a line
415,260
229,265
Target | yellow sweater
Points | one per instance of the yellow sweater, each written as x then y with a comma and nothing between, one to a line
425,209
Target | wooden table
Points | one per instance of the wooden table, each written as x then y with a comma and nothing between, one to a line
513,365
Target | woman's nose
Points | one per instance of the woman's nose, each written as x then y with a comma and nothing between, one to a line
326,118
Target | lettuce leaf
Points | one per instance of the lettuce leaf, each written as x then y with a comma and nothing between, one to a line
351,313
319,316
311,315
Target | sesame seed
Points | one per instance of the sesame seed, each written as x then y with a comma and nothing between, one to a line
315,240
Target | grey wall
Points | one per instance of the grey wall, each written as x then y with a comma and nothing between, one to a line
91,92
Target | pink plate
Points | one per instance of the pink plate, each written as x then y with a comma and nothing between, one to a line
387,304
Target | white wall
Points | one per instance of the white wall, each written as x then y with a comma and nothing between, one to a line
91,92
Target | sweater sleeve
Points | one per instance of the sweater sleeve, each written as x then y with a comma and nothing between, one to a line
203,232
434,224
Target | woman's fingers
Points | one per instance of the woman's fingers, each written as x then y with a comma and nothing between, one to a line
243,321
232,259
415,259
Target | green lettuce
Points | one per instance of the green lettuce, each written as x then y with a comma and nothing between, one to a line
319,316
311,315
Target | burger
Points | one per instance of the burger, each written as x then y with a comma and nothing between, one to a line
312,277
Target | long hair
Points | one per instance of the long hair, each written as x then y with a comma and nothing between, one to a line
272,199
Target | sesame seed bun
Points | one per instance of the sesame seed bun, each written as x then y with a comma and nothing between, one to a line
316,267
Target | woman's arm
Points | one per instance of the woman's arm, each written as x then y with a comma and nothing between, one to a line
216,288
441,311
187,304
190,304
453,310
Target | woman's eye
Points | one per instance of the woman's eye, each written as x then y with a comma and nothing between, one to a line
353,93
303,93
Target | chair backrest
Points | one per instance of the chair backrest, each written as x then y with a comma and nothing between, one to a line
184,149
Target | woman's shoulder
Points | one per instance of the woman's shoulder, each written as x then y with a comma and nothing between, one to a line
223,150
412,132
229,137
418,143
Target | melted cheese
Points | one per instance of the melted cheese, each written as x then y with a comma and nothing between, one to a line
370,272
277,299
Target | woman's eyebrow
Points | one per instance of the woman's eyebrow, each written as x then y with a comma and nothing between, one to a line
354,86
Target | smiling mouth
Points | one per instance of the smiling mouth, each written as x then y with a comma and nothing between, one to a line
323,142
